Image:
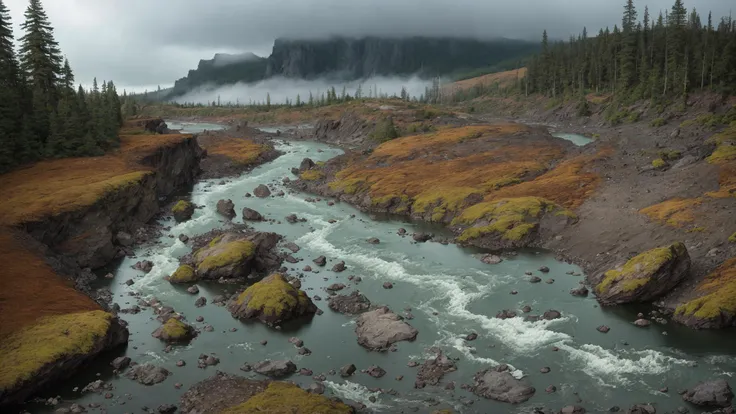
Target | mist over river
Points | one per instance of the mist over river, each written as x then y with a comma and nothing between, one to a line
450,293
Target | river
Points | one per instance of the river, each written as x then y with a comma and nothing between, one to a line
450,293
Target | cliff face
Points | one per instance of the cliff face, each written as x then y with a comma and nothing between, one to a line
358,58
89,235
221,70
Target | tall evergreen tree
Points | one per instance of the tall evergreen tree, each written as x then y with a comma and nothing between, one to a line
11,95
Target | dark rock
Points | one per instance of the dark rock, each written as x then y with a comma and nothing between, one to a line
579,291
352,304
432,371
505,314
377,330
306,164
549,281
320,261
535,279
339,267
124,239
641,409
292,247
295,171
552,314
498,384
262,191
544,269
166,409
526,309
144,266
193,289
201,301
292,218
401,231
183,238
471,336
147,374
306,372
572,409
551,389
388,285
545,370
251,215
226,208
374,240
375,371
716,393
307,268
491,259
336,287
291,259
603,329
304,351
275,369
347,370
642,322
421,237
120,363
316,388
296,342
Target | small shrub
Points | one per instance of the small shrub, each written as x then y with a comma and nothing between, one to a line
670,155
583,108
659,163
632,117
658,122
732,239
385,130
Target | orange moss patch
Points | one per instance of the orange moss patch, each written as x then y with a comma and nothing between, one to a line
57,186
725,157
30,290
241,151
675,212
503,79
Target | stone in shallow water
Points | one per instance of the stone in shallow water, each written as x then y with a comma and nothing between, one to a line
715,393
148,374
498,384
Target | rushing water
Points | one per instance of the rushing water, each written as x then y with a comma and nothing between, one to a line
451,294
192,127
576,139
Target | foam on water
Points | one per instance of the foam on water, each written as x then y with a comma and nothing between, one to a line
356,392
611,368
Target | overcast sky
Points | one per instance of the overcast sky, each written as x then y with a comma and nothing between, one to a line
144,43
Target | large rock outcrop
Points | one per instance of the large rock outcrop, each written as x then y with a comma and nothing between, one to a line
52,349
174,331
182,211
712,304
710,394
645,277
433,369
498,384
377,330
351,304
224,393
235,254
272,301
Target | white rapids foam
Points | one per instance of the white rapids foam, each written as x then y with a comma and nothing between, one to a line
356,392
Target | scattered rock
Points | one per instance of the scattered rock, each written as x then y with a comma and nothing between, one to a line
551,315
603,329
377,330
251,215
491,259
193,289
316,388
306,164
339,267
296,342
551,389
498,384
421,237
166,409
716,393
641,409
182,211
183,238
201,301
526,309
262,191
374,240
375,371
292,247
545,370
401,231
347,370
147,374
505,314
272,301
432,371
471,336
120,363
124,239
544,269
173,331
144,266
351,304
572,409
580,291
320,261
275,369
226,208
642,322
535,279
336,287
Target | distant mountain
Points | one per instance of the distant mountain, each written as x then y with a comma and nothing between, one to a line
349,59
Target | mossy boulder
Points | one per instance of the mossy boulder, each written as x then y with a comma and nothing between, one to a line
282,397
184,274
272,301
229,255
645,277
713,305
174,331
182,211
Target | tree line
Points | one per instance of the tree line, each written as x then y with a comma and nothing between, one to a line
661,57
42,114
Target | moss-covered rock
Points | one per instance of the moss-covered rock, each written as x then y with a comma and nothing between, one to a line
645,277
282,397
272,300
173,331
184,274
52,348
714,304
182,211
228,255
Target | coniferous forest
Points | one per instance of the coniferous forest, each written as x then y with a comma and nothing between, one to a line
43,114
649,56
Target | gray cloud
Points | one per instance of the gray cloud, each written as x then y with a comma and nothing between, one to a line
141,43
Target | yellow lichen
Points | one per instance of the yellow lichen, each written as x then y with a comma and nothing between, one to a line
659,163
46,341
675,212
225,255
184,274
182,206
723,153
273,295
732,239
312,175
439,202
638,270
175,330
718,292
285,398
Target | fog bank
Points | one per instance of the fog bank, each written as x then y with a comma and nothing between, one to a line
280,89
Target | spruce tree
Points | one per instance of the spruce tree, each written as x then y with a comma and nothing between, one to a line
629,45
40,59
11,95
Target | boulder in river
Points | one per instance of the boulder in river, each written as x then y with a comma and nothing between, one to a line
174,330
572,409
272,301
320,261
375,371
351,304
579,291
262,191
184,274
498,384
120,363
144,266
645,277
491,259
433,369
148,374
226,208
377,330
251,215
551,315
641,409
306,164
347,370
231,255
716,393
642,322
275,369
339,267
421,237
374,240
182,211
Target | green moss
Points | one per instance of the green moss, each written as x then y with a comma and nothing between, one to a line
273,296
184,274
228,254
441,201
732,239
285,398
638,270
724,152
696,230
182,206
46,341
659,163
718,292
658,122
312,175
670,155
349,186
176,330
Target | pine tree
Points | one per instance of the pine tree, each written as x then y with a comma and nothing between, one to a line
40,59
628,51
11,94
